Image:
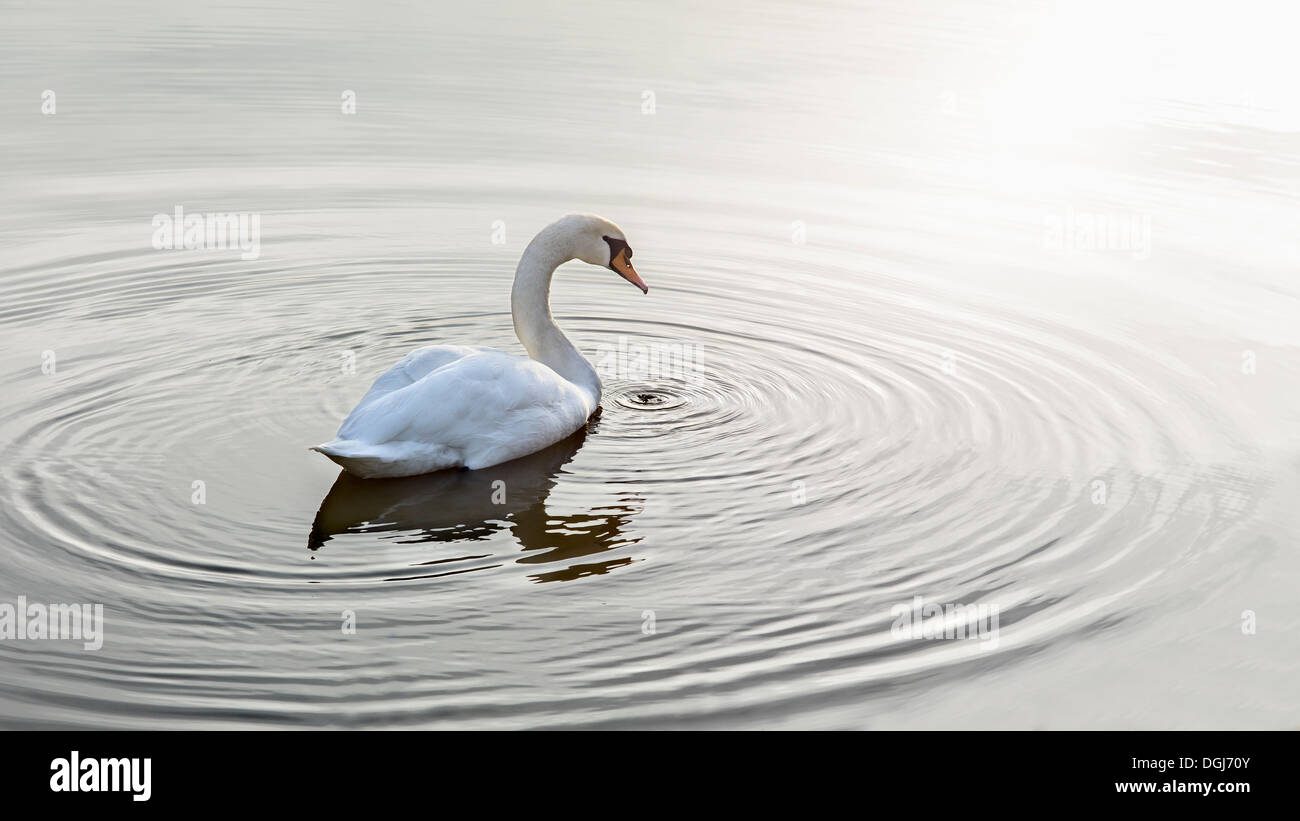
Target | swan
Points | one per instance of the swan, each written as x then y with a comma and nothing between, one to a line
456,406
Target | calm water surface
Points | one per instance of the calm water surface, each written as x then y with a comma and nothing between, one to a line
986,303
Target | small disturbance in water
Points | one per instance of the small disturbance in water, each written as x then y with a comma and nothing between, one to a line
650,400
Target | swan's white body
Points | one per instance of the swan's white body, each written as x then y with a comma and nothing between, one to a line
451,406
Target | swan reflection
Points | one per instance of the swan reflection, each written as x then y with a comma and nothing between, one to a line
472,505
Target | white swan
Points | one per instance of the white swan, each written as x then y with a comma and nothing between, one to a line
449,406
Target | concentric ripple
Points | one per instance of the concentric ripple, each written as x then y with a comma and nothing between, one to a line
767,483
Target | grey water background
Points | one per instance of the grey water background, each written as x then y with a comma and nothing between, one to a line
993,303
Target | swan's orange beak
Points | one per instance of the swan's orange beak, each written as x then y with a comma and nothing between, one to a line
622,266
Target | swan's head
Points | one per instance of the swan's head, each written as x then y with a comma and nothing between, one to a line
597,241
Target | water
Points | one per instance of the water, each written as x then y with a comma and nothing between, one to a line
969,314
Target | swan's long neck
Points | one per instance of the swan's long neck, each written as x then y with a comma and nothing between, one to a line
530,307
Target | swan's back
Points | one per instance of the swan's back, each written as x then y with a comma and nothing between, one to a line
456,406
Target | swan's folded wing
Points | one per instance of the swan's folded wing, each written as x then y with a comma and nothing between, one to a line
474,398
415,366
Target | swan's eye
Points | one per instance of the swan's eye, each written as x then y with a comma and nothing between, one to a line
616,247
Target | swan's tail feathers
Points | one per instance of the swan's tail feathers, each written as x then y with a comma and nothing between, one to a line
370,461
358,458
